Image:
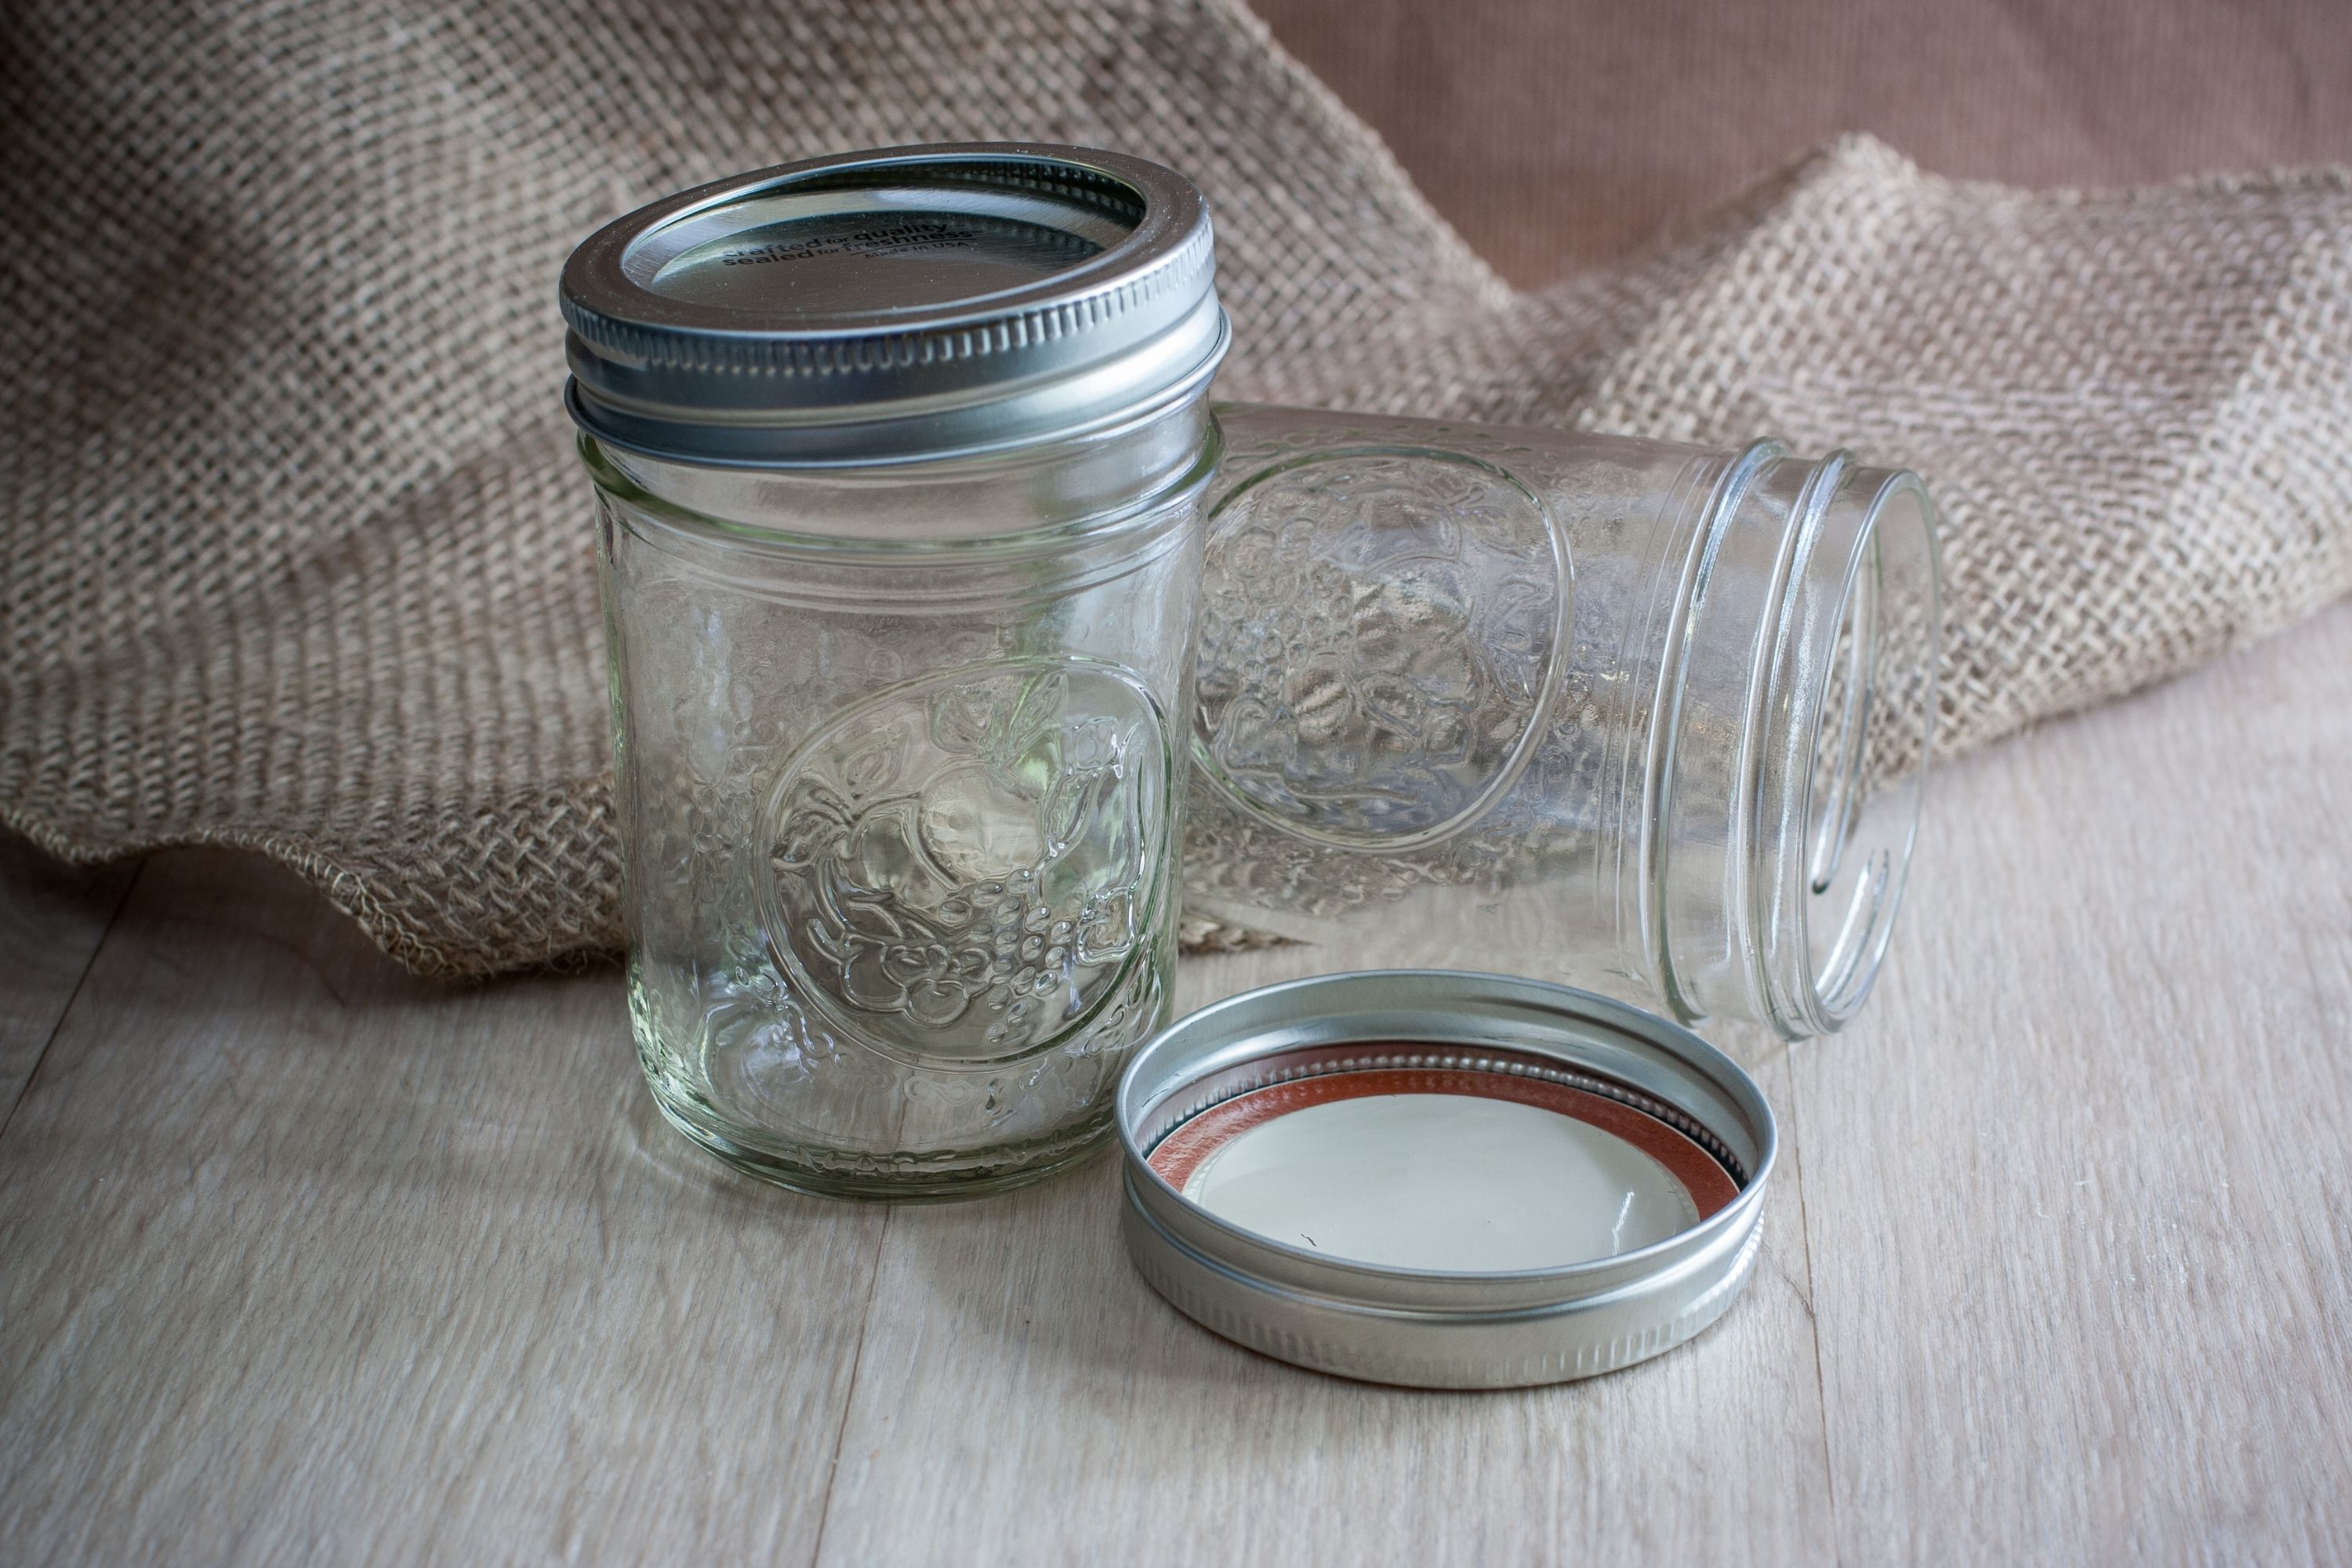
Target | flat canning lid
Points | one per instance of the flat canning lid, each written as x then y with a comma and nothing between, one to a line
909,304
1443,1179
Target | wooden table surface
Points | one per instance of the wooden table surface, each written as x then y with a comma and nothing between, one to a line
303,1259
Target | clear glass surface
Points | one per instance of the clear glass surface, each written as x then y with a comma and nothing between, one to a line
899,786
1644,718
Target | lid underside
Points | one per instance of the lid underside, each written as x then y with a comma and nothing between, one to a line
1453,1171
1522,1182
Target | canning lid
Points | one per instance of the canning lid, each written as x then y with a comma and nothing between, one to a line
1443,1179
915,302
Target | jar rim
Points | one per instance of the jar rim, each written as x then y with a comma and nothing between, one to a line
1773,871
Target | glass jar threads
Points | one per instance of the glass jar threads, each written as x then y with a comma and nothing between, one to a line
1645,718
897,459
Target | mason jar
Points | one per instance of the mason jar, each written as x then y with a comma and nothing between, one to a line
898,460
1645,718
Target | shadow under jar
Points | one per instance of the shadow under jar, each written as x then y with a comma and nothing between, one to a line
898,460
1645,718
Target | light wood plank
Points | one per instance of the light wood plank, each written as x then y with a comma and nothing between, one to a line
307,1260
52,917
2075,1187
303,1258
1024,1397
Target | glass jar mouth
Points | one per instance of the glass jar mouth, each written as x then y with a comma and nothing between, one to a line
1858,659
1799,709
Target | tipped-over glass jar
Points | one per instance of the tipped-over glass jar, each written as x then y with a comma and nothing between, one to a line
1642,716
898,460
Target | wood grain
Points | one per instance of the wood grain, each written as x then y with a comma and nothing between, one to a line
52,918
309,1260
2075,1185
300,1259
1024,1397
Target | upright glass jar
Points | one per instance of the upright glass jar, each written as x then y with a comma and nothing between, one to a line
1642,716
898,460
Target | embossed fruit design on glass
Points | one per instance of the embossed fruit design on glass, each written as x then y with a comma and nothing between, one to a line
969,864
899,460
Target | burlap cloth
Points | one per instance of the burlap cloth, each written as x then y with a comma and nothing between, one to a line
294,554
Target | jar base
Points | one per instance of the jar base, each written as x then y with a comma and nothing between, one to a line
827,1173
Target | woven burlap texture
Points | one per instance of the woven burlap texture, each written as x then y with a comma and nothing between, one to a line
297,554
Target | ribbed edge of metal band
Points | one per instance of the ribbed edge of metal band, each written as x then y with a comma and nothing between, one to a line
1126,328
682,349
878,432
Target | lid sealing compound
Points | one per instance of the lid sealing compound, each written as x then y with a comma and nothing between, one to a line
1443,1179
912,304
